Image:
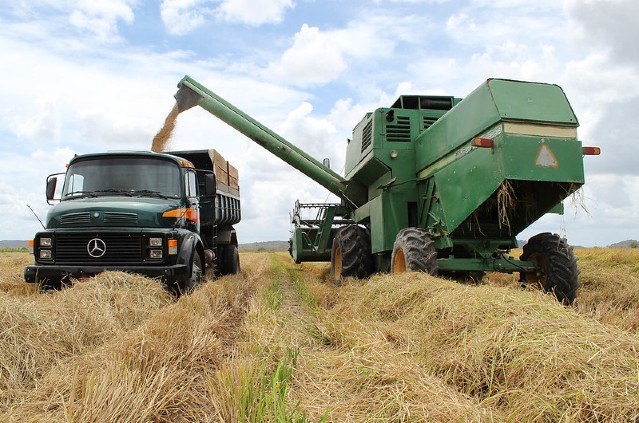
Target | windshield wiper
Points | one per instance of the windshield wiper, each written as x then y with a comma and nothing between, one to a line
80,194
142,192
114,191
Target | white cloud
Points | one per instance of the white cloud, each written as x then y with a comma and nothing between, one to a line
182,16
608,23
314,58
253,12
101,17
317,57
98,18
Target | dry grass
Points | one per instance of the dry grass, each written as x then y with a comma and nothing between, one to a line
518,352
157,371
12,273
42,331
314,376
610,285
609,282
277,343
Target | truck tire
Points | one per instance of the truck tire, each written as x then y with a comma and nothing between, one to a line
414,251
557,266
197,276
351,254
230,260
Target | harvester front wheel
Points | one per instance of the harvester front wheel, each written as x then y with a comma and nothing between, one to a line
557,270
414,251
351,254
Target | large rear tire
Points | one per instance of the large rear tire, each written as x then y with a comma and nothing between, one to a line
351,254
557,270
414,251
230,260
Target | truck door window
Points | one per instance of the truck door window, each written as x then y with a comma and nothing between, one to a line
191,184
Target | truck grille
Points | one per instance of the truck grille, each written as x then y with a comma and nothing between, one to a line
121,248
120,218
75,218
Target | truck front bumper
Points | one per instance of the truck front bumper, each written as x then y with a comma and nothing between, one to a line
53,273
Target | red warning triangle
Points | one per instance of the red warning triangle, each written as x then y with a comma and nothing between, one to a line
546,158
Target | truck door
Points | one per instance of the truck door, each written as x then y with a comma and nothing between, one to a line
192,200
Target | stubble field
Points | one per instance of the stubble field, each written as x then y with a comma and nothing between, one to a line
279,343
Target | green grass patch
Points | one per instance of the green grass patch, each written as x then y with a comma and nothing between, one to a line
273,295
302,289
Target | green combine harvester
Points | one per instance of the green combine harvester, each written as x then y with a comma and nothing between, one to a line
438,184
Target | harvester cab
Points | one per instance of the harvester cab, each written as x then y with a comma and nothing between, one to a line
439,185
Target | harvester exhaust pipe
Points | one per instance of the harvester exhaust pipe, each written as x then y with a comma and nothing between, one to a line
191,93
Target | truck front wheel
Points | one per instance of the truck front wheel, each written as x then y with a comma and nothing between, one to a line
197,276
414,251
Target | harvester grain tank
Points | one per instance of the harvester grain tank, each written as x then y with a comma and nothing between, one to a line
438,184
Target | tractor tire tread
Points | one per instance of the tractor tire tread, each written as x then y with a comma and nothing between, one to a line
357,260
419,250
563,272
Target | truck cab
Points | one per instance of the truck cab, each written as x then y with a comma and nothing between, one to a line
155,214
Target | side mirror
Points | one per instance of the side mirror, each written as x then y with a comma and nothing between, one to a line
52,181
52,184
210,185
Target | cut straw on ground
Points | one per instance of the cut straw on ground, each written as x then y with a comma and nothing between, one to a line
278,343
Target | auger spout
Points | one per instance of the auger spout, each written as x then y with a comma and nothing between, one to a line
191,93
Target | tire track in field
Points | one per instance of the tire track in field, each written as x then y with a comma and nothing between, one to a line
348,372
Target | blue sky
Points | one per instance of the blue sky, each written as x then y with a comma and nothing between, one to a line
85,76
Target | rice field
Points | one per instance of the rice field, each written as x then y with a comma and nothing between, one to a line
277,343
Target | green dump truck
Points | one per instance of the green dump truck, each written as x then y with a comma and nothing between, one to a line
163,215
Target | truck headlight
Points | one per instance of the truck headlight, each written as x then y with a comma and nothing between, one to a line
155,254
45,242
155,242
45,254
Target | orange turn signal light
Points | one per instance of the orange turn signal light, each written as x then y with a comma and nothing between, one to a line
483,142
591,151
173,246
191,214
187,163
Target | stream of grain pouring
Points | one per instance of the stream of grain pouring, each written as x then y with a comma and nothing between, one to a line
162,138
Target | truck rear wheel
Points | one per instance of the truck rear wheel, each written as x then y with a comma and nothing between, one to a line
557,270
230,260
351,254
414,251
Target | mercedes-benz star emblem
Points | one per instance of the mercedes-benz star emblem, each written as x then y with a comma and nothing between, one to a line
96,247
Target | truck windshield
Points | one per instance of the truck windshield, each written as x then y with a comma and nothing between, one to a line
131,176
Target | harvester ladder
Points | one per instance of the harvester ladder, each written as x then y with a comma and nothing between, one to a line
326,216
